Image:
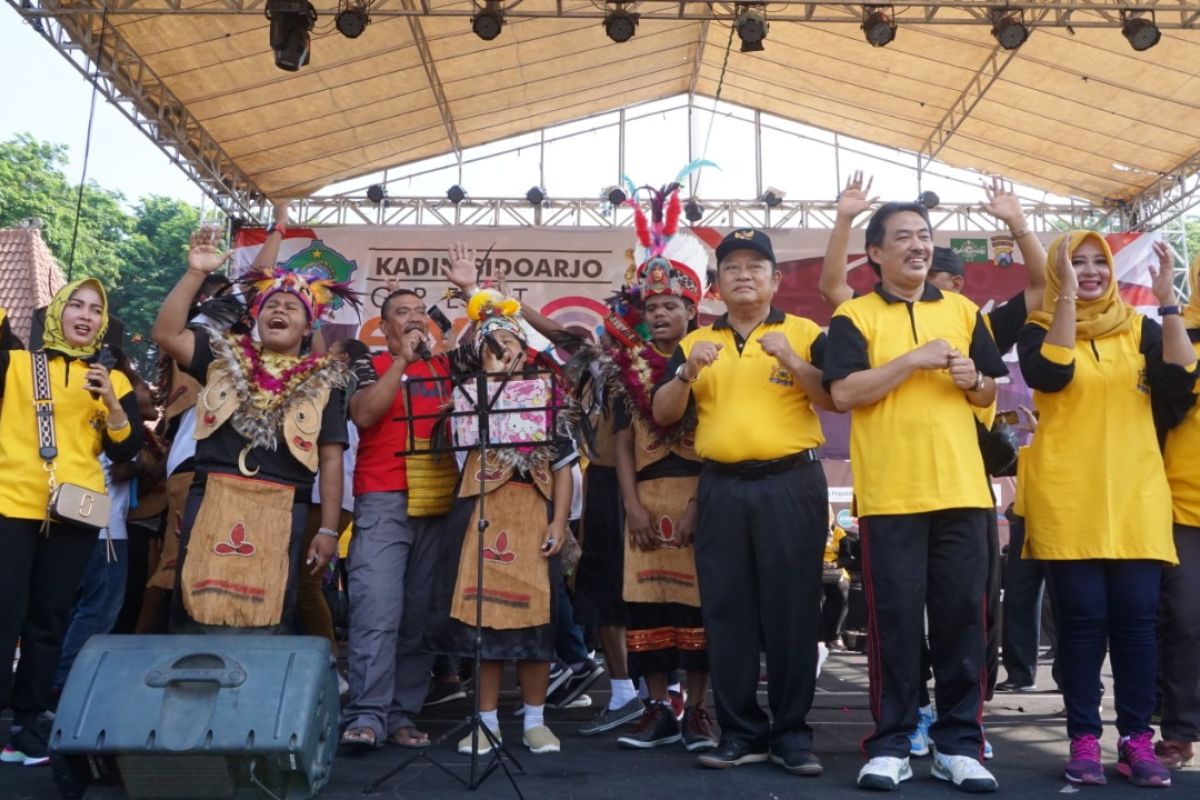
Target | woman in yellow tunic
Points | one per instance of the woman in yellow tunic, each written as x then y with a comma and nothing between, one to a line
44,562
1098,505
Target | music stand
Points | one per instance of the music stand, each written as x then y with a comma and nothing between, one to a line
483,408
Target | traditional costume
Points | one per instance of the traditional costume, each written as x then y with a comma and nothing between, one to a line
260,420
665,630
518,601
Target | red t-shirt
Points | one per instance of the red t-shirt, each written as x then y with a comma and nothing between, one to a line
378,468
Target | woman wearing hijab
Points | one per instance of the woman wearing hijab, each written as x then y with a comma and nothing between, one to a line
44,560
1179,627
1096,495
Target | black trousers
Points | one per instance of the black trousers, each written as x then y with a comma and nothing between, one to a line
1179,640
834,607
994,624
1024,588
935,560
39,578
759,549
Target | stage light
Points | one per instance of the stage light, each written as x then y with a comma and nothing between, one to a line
752,26
772,197
616,195
352,20
619,24
693,211
488,21
536,196
376,193
456,194
1008,27
291,20
1140,30
879,24
929,199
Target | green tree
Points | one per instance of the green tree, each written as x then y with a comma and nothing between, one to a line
33,184
154,256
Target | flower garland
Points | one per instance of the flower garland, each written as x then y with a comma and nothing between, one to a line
263,381
639,371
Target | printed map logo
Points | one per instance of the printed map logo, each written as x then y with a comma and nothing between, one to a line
970,250
320,259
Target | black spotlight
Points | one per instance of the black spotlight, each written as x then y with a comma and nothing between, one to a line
1009,28
616,196
536,196
488,21
456,194
879,25
351,21
693,211
752,26
929,199
1141,31
376,193
291,20
620,25
772,198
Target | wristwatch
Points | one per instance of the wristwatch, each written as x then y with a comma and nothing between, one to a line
1166,311
980,381
679,373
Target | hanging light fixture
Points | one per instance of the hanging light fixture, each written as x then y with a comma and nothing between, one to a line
1009,28
879,24
752,27
488,20
1140,30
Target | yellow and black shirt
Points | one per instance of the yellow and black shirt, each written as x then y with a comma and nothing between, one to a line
915,450
80,427
1094,482
749,408
1180,448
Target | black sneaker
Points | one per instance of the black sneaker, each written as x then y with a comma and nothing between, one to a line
657,726
29,746
443,692
1014,686
576,684
697,730
610,718
733,754
798,762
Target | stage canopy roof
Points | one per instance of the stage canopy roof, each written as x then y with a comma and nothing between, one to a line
1075,111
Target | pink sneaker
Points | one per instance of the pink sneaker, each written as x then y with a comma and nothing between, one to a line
1137,762
1084,766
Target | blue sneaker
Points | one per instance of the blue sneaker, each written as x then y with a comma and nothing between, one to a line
918,740
988,755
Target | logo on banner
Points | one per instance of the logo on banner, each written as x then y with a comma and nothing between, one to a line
970,250
321,259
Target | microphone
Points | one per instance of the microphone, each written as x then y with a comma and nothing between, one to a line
423,351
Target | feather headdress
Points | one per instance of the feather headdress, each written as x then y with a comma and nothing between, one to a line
670,262
492,312
315,290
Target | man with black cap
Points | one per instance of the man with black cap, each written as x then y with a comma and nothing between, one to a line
752,378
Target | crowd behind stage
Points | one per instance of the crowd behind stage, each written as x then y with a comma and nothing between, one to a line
673,510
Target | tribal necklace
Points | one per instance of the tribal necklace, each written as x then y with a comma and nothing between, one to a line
639,371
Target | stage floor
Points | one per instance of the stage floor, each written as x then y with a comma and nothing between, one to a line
1027,735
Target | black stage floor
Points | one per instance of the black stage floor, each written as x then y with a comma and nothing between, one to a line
1025,729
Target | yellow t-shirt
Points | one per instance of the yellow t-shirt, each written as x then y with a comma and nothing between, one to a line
79,422
748,407
1093,484
915,450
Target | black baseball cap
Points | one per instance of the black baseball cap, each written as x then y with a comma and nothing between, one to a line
746,239
948,261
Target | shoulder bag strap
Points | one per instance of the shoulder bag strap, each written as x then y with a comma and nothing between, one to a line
43,404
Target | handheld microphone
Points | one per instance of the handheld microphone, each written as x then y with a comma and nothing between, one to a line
423,351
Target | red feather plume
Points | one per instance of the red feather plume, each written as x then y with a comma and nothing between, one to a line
671,223
640,223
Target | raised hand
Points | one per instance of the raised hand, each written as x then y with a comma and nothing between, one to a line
855,198
1002,203
204,251
1068,281
462,271
1162,278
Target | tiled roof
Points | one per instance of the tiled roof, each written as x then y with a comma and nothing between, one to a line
29,276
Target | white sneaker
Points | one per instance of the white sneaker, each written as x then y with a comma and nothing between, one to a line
822,654
884,773
964,772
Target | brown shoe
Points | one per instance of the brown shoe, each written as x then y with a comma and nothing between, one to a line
697,730
1174,755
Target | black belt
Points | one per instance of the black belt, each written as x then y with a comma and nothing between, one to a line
761,469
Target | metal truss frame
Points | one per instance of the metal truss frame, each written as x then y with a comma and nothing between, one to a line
1058,13
82,32
591,212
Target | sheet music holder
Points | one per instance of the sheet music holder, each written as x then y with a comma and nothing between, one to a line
497,423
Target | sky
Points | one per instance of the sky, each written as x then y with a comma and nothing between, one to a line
798,160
